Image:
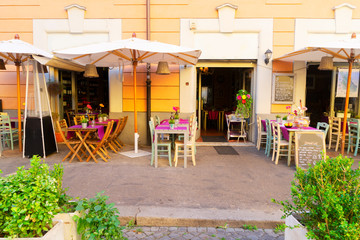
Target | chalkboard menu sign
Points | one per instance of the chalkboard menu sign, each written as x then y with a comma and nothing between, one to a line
283,87
309,147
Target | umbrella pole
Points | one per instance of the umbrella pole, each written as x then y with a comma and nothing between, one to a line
19,103
346,106
136,135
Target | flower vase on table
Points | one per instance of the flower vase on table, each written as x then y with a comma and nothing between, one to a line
84,125
176,115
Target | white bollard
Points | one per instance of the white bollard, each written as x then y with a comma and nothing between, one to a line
136,140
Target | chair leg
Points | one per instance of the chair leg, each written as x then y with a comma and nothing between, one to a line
273,155
337,143
169,154
277,154
356,147
349,145
271,143
193,155
176,155
330,140
152,154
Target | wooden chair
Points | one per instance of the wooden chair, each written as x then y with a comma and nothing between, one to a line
77,119
279,145
8,134
269,138
354,135
98,146
262,135
110,142
335,131
69,116
157,120
116,140
323,126
71,144
164,146
191,147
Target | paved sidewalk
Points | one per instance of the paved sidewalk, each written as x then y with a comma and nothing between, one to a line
200,233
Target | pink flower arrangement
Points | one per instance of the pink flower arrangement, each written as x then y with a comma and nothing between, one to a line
176,109
89,106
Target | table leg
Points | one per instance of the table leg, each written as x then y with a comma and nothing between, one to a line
156,149
291,133
186,138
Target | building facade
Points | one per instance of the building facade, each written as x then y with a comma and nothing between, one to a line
233,37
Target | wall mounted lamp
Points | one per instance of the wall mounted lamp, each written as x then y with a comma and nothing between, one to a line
268,55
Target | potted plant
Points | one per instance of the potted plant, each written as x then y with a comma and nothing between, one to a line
284,119
325,200
100,117
98,219
28,202
278,118
171,123
244,101
105,116
176,115
84,122
340,114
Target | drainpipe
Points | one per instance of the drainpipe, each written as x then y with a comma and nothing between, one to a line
148,80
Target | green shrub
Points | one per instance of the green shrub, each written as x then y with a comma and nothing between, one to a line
327,196
99,220
28,201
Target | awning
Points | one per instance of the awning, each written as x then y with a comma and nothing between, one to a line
60,63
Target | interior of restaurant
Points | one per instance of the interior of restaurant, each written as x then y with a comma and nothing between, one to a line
318,95
218,87
78,91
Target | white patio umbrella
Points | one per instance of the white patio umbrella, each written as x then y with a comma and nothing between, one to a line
347,50
16,52
131,52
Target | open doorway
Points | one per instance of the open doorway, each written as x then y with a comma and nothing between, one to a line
217,89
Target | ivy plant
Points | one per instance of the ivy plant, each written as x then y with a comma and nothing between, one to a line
327,196
28,201
99,220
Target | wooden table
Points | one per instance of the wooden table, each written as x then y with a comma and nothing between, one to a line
83,134
165,129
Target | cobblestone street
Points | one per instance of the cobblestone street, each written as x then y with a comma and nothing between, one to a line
200,233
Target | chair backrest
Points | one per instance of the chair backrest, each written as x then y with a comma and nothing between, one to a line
157,120
353,126
258,122
107,132
193,132
5,124
268,128
123,123
77,119
323,126
4,113
276,132
335,124
61,126
152,130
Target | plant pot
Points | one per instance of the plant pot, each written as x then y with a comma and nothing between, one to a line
298,233
84,125
69,225
278,120
105,118
100,119
55,233
341,115
172,125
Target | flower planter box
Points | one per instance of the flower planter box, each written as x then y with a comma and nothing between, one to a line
298,233
70,232
55,233
341,115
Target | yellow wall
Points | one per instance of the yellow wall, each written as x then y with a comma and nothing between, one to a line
17,16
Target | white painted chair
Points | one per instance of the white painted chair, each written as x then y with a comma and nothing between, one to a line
191,147
261,138
280,146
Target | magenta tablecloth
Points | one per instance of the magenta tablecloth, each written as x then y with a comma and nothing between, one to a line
167,127
285,131
100,130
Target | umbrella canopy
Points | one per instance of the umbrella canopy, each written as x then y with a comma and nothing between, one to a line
16,52
131,52
347,50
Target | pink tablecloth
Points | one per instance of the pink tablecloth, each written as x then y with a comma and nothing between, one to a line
167,127
100,130
285,131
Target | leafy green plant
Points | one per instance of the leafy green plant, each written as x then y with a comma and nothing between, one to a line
130,224
223,227
28,201
171,121
244,102
250,227
84,120
99,219
284,118
277,116
327,196
279,228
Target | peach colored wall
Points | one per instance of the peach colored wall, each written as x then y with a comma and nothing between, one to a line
16,17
